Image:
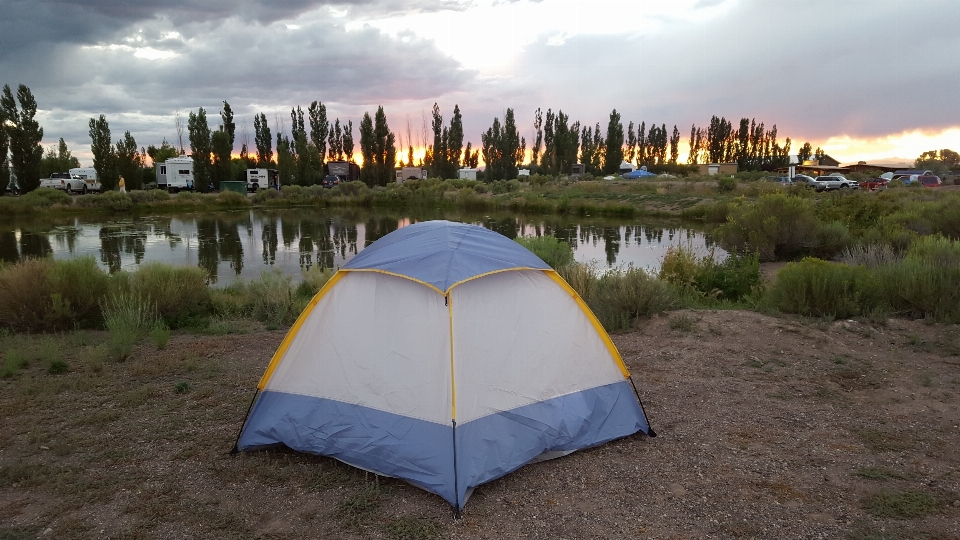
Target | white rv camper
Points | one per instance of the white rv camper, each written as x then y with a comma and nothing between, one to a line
175,174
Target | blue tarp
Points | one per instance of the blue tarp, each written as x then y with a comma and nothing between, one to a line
443,253
637,174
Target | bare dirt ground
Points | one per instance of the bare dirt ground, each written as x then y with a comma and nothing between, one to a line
769,427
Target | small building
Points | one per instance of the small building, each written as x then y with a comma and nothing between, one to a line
411,173
467,174
710,169
863,166
578,169
175,174
626,167
523,172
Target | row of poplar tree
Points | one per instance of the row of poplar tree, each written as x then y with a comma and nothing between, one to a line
315,140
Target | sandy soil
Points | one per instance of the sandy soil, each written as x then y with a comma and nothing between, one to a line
769,427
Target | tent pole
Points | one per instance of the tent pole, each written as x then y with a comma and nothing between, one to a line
650,432
249,407
457,514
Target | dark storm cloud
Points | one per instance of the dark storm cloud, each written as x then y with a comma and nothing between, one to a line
815,68
268,68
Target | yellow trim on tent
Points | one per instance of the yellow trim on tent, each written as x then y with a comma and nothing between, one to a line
424,283
275,361
593,319
453,378
478,276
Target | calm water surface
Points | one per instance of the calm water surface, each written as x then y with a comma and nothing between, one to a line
232,245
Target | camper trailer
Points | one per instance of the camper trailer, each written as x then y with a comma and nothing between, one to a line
175,174
467,174
346,171
262,179
410,173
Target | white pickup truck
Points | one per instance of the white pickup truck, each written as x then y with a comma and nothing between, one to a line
56,181
83,180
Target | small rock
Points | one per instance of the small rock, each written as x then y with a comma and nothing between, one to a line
48,531
956,503
44,447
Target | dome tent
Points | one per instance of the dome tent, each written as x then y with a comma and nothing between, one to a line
446,355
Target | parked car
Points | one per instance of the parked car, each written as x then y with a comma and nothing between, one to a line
930,180
874,184
835,181
330,181
808,181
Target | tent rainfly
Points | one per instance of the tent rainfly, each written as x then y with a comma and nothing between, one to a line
446,355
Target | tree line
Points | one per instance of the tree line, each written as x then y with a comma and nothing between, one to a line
315,140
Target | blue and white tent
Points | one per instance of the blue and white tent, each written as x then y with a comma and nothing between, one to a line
446,355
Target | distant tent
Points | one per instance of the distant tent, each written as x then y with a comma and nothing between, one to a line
639,173
626,167
446,355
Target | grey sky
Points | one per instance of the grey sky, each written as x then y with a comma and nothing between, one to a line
855,68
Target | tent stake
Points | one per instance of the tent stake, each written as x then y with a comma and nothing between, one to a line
249,407
650,432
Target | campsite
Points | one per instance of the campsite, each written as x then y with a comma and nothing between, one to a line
768,427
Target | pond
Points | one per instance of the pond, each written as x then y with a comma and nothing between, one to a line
242,244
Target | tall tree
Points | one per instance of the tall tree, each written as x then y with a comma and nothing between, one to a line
335,142
263,141
227,124
455,143
438,151
566,142
24,135
503,148
162,153
613,152
471,158
548,159
319,127
378,147
804,153
129,161
221,169
642,144
631,143
4,150
200,149
538,130
674,145
59,160
104,158
347,141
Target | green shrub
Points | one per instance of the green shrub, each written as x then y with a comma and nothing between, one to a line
58,367
46,197
109,200
128,317
624,294
901,504
13,362
178,293
819,288
160,334
731,279
76,288
232,199
551,250
264,195
25,295
314,279
181,387
777,226
149,196
355,187
726,184
925,282
832,238
230,301
271,298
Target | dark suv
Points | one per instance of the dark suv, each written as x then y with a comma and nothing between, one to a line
330,181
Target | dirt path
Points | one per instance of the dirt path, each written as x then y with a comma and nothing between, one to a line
768,428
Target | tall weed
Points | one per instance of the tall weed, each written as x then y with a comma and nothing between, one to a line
177,293
625,294
76,288
128,317
818,288
551,250
25,294
271,298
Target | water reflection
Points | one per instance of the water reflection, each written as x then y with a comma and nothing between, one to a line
232,245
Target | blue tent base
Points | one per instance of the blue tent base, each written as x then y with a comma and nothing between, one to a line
421,452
